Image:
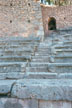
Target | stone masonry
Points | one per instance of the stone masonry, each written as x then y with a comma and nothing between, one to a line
35,72
62,14
20,18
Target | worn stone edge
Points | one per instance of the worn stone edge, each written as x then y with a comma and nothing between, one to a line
43,89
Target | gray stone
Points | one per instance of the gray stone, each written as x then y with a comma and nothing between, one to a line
16,103
15,58
43,89
65,76
6,67
54,104
60,67
41,75
12,75
33,103
37,69
9,104
5,86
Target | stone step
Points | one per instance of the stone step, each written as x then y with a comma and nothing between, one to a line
18,49
63,46
29,43
63,58
63,55
41,60
42,54
38,64
37,69
15,58
63,50
68,42
17,46
64,36
41,75
6,67
65,39
53,40
50,67
16,53
19,43
57,43
43,89
44,45
22,39
48,75
60,67
65,76
11,75
67,35
43,49
40,57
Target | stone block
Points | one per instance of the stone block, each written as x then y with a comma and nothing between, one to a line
5,86
44,89
17,103
40,33
54,104
6,67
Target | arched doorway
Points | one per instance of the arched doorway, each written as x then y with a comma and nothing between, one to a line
52,23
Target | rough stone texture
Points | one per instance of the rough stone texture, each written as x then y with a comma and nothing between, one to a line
15,53
5,86
53,88
54,104
30,103
43,89
62,14
17,103
20,18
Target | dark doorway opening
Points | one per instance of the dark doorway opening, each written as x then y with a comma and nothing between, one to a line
52,23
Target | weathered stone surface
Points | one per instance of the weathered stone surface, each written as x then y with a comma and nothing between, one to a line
12,75
65,76
54,104
15,53
44,79
16,103
15,58
5,86
37,69
32,103
20,18
43,89
6,67
41,75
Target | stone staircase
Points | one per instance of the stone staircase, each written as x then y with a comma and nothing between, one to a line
53,59
15,53
36,71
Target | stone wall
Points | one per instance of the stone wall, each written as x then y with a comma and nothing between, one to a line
20,18
62,14
32,103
